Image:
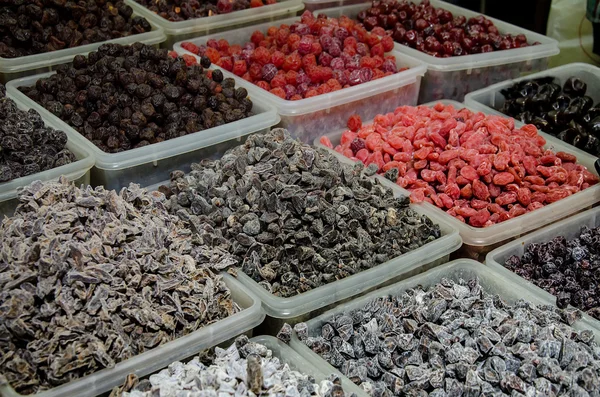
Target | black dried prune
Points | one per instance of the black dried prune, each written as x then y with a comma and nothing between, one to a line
121,90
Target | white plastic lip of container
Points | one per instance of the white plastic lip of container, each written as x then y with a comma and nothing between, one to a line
569,228
181,30
489,99
486,236
12,68
493,282
438,69
115,170
403,87
78,170
161,356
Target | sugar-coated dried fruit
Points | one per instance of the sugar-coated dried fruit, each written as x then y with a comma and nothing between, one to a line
183,10
38,26
125,97
457,159
435,30
568,269
294,216
455,339
27,145
91,277
245,368
313,56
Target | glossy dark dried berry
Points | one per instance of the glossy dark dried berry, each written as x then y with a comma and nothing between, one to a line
43,26
113,94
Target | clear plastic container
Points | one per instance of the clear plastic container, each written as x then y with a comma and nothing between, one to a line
176,31
477,242
489,99
161,356
569,228
77,171
153,163
452,78
316,5
492,282
311,117
14,68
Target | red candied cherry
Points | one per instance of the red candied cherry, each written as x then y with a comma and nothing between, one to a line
311,93
280,92
212,43
410,37
505,44
261,55
340,33
191,47
264,85
246,76
366,75
239,67
337,64
291,77
379,31
256,3
278,81
272,31
325,42
421,24
305,45
355,124
255,71
268,71
213,55
334,49
223,45
226,63
293,39
296,97
292,62
370,23
389,66
521,38
398,34
493,29
325,59
277,59
432,44
309,60
189,59
467,44
448,48
316,48
459,20
302,88
302,29
387,43
445,16
281,37
354,78
362,49
289,90
334,84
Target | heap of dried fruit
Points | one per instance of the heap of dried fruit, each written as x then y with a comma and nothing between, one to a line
89,278
568,269
479,169
566,111
182,10
124,97
244,369
297,218
27,146
435,31
38,26
455,339
313,56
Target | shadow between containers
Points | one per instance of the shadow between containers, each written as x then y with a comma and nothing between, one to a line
163,355
491,281
482,238
77,171
324,111
115,170
13,68
569,228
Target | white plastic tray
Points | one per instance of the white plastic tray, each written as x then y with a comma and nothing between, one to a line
161,356
316,5
489,99
311,117
13,68
153,163
182,30
569,228
491,281
78,171
452,78
479,241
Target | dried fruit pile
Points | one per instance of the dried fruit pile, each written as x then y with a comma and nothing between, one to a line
479,169
27,146
297,218
435,31
565,112
244,369
182,10
89,278
568,269
125,97
455,339
38,26
313,56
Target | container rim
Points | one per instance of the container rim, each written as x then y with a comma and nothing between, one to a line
51,58
265,116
